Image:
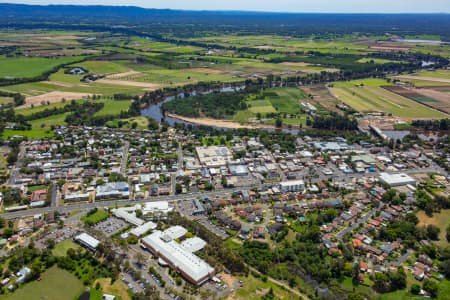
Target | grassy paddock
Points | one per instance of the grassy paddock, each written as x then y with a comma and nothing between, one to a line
441,220
56,284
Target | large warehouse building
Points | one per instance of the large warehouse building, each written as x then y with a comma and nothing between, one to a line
179,256
397,179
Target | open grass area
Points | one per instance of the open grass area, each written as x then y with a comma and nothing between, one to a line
102,67
441,220
254,288
112,108
5,100
31,134
96,217
118,288
48,122
61,248
370,96
142,123
55,284
376,60
27,67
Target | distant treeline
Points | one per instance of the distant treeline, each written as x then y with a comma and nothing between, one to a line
191,23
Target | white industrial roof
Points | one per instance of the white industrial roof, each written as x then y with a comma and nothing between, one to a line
292,182
157,206
138,231
87,240
175,232
189,263
127,216
193,244
396,179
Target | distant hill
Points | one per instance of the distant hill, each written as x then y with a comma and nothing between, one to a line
264,22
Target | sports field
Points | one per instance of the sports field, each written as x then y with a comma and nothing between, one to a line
370,96
55,284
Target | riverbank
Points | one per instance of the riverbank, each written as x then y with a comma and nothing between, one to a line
219,123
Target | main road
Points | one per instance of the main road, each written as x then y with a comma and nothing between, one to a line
109,203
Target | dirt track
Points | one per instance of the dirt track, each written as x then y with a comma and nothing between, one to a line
146,85
218,123
53,97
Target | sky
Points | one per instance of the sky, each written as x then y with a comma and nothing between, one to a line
338,6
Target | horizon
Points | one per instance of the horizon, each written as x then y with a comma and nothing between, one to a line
416,7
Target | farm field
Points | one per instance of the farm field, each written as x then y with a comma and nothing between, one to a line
427,78
427,96
370,96
277,100
27,67
56,284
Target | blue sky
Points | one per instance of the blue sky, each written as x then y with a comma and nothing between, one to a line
370,6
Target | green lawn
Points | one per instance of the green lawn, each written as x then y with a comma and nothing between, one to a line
27,67
96,217
56,284
31,134
102,67
61,248
48,122
112,107
37,187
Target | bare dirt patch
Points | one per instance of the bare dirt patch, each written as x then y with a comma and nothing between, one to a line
122,75
217,123
53,97
146,85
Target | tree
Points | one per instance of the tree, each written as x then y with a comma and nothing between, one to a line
431,286
278,122
433,232
415,289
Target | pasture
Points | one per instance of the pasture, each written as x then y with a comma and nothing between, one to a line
55,284
28,67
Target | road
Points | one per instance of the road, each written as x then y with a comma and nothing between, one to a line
15,170
123,165
54,202
88,206
399,261
367,216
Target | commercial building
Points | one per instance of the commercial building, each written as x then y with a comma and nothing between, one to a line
112,190
292,186
179,256
214,156
87,241
144,228
397,179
